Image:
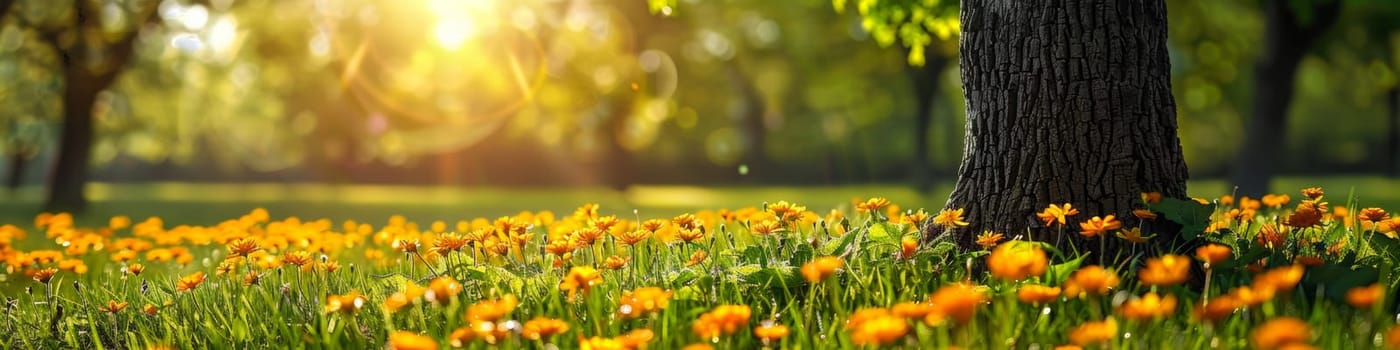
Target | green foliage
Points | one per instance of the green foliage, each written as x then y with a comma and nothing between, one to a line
915,24
1193,217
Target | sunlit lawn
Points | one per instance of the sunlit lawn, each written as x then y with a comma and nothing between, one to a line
488,268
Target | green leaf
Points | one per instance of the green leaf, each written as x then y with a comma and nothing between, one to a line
1193,217
1057,273
1249,257
1338,278
683,276
885,232
772,276
838,245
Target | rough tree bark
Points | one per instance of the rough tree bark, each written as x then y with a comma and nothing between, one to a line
925,80
1067,101
1287,37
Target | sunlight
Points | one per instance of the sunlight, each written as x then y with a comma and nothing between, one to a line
459,21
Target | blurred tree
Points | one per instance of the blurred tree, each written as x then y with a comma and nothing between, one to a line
916,25
1291,29
1066,103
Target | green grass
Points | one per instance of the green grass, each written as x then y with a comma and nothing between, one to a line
287,307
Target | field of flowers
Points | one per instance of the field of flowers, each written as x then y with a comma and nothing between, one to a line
1268,273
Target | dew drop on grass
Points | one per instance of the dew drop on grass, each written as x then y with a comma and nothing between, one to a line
1045,310
714,340
1127,335
625,309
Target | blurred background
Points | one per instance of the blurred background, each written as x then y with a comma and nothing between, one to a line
640,102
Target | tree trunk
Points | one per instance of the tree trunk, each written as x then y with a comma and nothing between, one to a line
70,174
925,80
18,159
1067,102
1286,39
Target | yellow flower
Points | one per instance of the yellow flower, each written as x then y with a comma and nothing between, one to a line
914,219
135,269
150,310
785,211
1091,279
580,279
876,327
1038,294
690,235
189,281
1055,213
1091,333
1017,260
1364,297
297,258
1149,306
950,218
1280,332
1097,226
449,243
631,238
872,205
44,275
989,239
404,340
820,268
1166,270
543,327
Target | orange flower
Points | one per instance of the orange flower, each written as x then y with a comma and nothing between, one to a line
631,238
150,310
876,327
1282,278
449,243
580,279
135,269
950,218
1055,213
1312,192
1213,254
766,227
44,275
461,336
1091,333
243,247
492,310
1274,201
297,258
1373,215
1166,270
1307,214
915,219
1097,226
872,205
1134,235
1269,236
1149,306
442,289
908,246
913,310
820,268
113,307
641,301
989,239
189,281
1091,279
1251,296
348,303
698,346
406,245
690,235
1280,332
785,211
653,225
958,301
723,319
1364,297
1038,294
637,338
615,262
1017,260
404,340
1152,197
1392,338
696,258
543,327
1308,260
770,331
1144,214
1218,308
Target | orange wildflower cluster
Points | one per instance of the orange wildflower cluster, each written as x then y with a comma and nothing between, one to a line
642,301
1165,270
1090,280
722,320
1280,333
1057,214
876,326
1017,260
820,268
1149,306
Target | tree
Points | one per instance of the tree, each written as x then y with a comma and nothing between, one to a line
1066,103
1291,28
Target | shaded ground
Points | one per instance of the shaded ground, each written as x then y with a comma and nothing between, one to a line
186,203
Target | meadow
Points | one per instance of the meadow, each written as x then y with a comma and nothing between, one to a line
679,267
